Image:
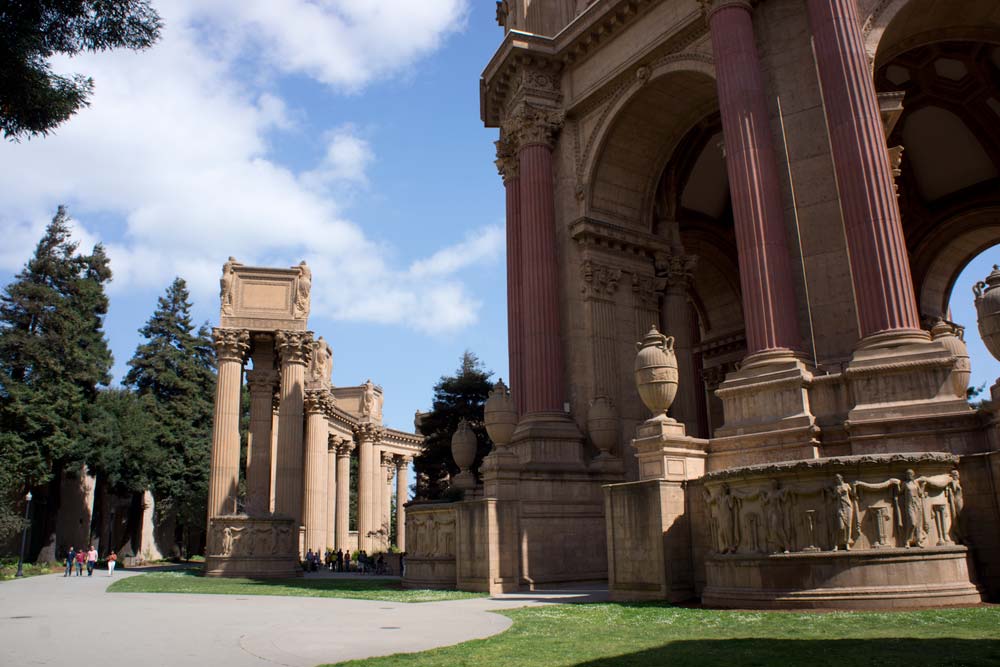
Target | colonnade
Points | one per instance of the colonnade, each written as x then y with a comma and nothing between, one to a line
302,433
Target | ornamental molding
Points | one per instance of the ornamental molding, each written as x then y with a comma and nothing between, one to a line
345,447
598,235
599,281
316,401
294,347
831,463
368,432
530,125
231,344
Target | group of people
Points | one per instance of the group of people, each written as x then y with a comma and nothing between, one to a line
340,561
87,557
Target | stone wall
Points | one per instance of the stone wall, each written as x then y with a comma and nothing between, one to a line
430,558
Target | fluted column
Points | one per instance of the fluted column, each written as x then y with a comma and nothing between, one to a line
765,271
366,434
274,447
378,497
343,528
331,490
261,382
880,267
295,349
507,165
538,307
231,346
388,472
675,269
402,492
314,493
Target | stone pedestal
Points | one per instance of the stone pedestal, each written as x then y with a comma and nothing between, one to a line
854,532
665,451
252,547
430,561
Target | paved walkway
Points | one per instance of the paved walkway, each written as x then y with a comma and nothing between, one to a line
51,620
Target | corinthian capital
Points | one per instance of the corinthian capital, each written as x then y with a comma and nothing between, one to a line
317,401
231,344
676,267
295,347
263,381
507,163
367,431
530,125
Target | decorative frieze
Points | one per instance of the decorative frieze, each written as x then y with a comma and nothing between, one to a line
790,510
599,281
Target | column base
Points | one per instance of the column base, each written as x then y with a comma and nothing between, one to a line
767,413
665,451
549,441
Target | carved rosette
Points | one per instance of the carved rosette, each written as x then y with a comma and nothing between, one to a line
231,344
599,281
530,126
295,347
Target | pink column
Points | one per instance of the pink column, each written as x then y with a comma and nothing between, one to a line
508,167
542,366
765,272
879,263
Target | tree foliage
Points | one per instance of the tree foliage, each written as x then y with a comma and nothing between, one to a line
53,357
456,397
174,371
33,98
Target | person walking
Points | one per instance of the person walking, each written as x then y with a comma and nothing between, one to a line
112,559
70,559
347,562
91,560
340,560
81,559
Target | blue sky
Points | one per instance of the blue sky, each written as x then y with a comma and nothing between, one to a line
342,132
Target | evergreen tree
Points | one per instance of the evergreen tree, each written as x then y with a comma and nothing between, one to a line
53,356
456,397
175,369
33,99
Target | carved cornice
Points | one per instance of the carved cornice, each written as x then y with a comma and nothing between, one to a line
530,125
262,381
599,281
590,233
294,347
231,344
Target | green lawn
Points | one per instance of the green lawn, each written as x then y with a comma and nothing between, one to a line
8,568
191,581
650,635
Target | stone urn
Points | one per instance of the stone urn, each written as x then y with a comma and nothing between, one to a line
952,337
463,451
602,424
656,373
500,415
988,310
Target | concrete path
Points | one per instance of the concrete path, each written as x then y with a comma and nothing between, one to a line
51,620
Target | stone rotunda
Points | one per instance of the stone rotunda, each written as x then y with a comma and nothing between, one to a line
788,189
303,431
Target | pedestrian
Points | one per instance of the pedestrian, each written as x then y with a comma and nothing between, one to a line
340,560
91,560
347,562
112,559
70,559
81,559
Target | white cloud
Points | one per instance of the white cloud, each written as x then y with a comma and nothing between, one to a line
482,245
175,147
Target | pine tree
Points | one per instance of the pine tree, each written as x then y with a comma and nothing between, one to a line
174,369
456,397
53,356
